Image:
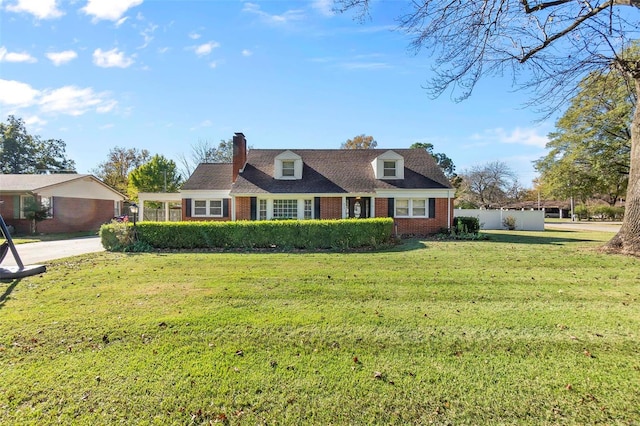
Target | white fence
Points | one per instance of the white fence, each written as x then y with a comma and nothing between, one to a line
526,220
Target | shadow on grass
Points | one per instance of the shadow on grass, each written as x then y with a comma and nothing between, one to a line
556,237
5,296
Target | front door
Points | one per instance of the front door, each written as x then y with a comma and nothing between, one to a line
359,207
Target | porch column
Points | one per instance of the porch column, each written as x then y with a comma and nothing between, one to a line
166,211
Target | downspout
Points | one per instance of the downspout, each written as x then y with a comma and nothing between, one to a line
449,210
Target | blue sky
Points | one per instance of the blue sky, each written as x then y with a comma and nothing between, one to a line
163,75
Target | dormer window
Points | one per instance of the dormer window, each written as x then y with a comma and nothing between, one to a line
389,169
287,166
388,165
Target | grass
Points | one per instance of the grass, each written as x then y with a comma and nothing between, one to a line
527,328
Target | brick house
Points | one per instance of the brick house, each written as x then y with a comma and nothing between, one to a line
265,184
77,202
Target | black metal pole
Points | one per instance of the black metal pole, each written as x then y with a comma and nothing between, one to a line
5,231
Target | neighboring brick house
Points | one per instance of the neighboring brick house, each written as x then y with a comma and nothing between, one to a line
265,184
77,202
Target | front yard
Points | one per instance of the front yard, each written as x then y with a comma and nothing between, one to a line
527,328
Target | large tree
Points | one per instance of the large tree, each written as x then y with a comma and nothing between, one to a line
490,185
589,151
120,162
204,151
360,142
156,175
445,163
546,45
21,152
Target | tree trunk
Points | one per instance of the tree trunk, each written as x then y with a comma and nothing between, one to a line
627,240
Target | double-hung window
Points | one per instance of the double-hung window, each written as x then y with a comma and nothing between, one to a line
288,168
411,207
262,209
207,208
389,169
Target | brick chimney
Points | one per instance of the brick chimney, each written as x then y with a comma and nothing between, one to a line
239,154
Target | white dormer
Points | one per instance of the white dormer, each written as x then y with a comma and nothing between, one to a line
287,166
389,165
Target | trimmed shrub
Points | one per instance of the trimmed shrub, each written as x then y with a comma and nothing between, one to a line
466,225
287,234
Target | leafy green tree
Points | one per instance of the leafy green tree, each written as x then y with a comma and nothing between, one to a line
547,46
120,162
589,152
445,163
360,142
157,175
21,152
35,212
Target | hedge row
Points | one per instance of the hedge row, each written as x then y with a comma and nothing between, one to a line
307,234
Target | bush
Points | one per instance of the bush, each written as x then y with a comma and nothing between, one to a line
604,212
466,225
509,222
121,236
288,234
582,211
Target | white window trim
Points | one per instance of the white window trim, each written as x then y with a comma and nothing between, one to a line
378,165
50,206
278,166
207,207
410,208
300,207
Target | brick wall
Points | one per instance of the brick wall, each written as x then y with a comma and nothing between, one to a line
331,208
243,208
69,215
382,207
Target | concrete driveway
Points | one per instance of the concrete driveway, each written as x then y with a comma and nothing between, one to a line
40,253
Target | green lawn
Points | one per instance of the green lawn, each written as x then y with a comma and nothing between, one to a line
526,328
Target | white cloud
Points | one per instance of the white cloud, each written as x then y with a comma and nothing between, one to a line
147,35
286,17
17,94
206,48
213,65
111,58
41,9
325,7
6,56
108,10
517,136
121,21
75,101
70,100
194,35
247,52
34,121
59,58
163,49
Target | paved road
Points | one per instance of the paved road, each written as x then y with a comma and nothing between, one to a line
40,253
585,226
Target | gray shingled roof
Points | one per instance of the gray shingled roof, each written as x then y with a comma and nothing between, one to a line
337,171
212,176
31,182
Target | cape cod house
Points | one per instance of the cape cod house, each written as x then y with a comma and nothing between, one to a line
265,184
